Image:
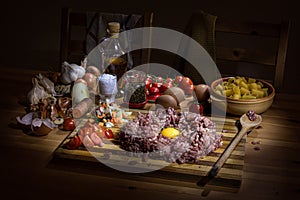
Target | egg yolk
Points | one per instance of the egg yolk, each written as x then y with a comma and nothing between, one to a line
170,132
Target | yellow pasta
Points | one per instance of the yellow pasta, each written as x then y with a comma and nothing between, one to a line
242,88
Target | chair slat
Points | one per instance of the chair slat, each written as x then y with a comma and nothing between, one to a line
282,51
73,32
241,54
252,28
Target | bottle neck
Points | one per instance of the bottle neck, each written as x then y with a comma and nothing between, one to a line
113,35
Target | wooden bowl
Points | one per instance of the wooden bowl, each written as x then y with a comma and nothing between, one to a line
241,106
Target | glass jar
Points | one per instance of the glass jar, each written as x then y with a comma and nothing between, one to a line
107,85
135,88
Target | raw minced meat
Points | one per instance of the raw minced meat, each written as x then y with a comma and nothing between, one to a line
198,136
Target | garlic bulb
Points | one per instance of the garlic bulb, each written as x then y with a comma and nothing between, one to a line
71,72
46,83
36,93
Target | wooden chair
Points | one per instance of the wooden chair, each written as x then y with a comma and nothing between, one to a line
73,36
249,48
254,49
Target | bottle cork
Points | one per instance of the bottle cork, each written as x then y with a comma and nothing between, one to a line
114,27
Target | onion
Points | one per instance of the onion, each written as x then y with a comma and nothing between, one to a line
42,126
202,92
93,70
80,80
91,80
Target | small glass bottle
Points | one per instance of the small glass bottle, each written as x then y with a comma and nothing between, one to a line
113,56
134,90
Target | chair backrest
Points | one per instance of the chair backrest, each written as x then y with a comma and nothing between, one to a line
74,28
254,49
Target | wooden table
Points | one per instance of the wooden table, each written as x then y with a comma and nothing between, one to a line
27,172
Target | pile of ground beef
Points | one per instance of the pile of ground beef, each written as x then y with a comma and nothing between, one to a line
197,138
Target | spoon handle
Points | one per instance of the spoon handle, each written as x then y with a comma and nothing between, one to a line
222,159
229,149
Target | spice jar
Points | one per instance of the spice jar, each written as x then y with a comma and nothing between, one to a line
134,89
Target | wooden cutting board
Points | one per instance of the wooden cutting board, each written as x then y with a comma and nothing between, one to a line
228,179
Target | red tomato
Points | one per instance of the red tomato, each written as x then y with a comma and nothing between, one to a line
185,83
165,86
69,124
159,79
72,144
188,90
153,90
157,84
109,134
147,92
153,97
196,108
79,141
178,79
148,82
169,80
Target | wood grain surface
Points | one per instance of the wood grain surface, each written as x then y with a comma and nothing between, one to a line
28,169
228,179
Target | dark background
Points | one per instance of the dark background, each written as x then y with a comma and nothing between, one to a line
30,30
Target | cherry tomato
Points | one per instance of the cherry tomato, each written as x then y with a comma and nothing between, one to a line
69,124
165,86
188,90
185,83
159,79
153,97
147,92
169,80
196,107
109,134
79,141
148,82
71,144
157,84
178,79
74,142
153,90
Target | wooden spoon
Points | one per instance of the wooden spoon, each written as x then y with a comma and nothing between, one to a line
247,127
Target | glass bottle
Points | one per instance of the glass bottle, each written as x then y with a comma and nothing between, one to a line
113,56
135,89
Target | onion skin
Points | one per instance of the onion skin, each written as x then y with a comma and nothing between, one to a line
166,101
93,70
202,92
91,81
80,80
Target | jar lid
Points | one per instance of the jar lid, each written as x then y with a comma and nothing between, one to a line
135,76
